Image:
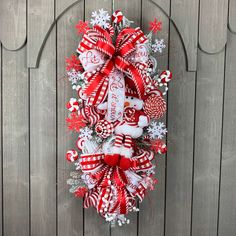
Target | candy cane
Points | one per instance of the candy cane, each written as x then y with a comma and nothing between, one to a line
117,17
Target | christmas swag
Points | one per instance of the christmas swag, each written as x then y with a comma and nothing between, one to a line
116,111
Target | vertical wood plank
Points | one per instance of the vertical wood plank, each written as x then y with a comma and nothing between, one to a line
209,97
232,15
132,10
213,25
94,224
43,142
152,209
13,23
227,213
40,18
187,24
1,139
16,143
180,142
61,5
181,107
70,209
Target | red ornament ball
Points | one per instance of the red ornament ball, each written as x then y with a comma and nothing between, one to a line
72,155
104,128
154,106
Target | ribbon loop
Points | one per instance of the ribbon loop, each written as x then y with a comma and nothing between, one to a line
118,57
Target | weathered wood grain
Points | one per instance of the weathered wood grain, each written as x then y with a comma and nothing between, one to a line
151,11
70,209
213,25
152,209
13,23
1,139
93,223
180,142
209,99
43,200
15,133
40,17
232,15
227,213
185,15
43,146
61,5
162,4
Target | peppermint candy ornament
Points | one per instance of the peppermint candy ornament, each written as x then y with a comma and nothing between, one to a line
165,77
117,17
73,105
154,106
104,128
72,155
159,146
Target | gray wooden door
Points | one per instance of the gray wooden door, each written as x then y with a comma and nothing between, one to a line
196,194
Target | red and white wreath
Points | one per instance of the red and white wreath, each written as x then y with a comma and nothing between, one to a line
115,111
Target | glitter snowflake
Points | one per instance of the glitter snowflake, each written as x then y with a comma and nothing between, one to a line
155,26
75,77
100,18
86,133
82,27
158,46
75,122
157,130
73,63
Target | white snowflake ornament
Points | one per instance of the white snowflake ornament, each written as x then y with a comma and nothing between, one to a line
74,76
158,46
100,18
86,133
157,130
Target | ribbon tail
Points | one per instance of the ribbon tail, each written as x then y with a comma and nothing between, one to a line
116,96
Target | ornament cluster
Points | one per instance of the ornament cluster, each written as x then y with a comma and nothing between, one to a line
116,111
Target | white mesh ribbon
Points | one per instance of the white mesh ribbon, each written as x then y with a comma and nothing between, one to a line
91,59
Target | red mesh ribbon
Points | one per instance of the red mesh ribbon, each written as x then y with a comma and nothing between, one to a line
110,180
100,40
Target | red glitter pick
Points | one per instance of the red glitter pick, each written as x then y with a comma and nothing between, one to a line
155,26
75,122
73,63
82,27
80,192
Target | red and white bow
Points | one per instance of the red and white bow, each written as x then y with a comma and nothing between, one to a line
101,58
112,190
